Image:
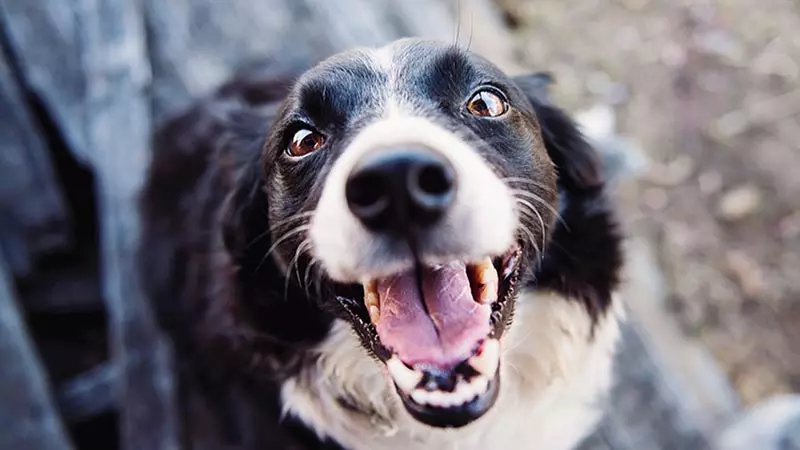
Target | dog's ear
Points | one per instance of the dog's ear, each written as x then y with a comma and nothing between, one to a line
578,164
244,214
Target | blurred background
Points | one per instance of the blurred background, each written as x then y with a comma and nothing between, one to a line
694,105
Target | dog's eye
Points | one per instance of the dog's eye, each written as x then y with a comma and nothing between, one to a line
304,142
487,104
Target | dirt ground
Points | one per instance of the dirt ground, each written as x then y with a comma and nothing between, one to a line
709,91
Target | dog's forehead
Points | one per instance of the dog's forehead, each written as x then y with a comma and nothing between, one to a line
403,72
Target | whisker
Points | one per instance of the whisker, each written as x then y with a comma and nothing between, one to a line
307,273
532,238
293,262
527,181
290,219
458,23
285,236
471,28
278,224
539,216
544,203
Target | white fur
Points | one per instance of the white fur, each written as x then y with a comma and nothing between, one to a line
349,253
483,202
384,58
553,376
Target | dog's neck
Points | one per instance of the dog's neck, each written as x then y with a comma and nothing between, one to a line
555,370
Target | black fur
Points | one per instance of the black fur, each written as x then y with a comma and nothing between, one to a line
217,192
585,255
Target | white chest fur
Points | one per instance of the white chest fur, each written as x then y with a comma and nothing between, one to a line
552,376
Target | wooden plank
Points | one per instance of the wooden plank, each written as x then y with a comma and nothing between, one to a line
86,61
43,38
33,214
118,111
28,417
196,45
73,288
88,394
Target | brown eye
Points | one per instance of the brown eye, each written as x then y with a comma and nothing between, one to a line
304,142
487,104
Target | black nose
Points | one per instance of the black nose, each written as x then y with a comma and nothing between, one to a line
401,189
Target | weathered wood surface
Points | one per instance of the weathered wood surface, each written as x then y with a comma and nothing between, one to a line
89,394
87,62
28,416
103,72
39,223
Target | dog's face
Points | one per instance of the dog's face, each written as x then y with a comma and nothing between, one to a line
409,188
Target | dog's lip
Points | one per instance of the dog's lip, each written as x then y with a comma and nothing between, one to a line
508,268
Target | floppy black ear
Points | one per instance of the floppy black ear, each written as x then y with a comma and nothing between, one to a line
248,106
243,216
578,164
244,213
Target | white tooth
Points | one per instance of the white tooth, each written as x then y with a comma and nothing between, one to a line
371,300
405,378
486,363
420,397
488,294
460,393
469,392
480,385
374,314
436,398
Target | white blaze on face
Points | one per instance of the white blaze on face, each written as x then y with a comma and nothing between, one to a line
481,222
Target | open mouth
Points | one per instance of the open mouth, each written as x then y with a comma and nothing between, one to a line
438,331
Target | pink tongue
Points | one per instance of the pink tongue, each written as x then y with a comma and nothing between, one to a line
445,337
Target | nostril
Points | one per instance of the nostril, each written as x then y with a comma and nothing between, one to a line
435,179
366,195
431,187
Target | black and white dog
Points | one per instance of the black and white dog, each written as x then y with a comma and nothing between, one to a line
403,248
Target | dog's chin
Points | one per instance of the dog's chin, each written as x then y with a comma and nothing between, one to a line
437,330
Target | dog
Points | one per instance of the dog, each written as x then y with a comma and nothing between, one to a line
402,248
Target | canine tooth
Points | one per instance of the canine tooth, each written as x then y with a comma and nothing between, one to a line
371,300
486,281
405,378
487,294
487,360
480,385
370,287
374,314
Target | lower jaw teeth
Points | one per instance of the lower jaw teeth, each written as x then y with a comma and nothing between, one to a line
484,364
465,392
